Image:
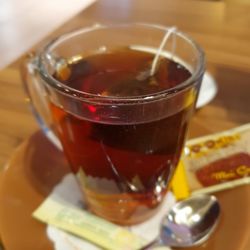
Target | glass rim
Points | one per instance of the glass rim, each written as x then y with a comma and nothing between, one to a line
81,95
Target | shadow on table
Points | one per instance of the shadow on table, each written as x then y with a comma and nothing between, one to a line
47,164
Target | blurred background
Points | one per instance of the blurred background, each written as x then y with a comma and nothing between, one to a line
24,23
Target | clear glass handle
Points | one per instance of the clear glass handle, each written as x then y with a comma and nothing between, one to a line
37,97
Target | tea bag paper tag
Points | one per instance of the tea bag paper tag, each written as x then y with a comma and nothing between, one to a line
86,225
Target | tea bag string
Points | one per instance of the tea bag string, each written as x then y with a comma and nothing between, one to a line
159,51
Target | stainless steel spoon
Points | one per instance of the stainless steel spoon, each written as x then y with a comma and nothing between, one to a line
189,222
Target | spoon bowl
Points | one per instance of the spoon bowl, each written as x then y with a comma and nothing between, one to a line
190,222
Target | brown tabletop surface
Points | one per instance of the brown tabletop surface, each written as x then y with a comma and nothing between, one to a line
221,27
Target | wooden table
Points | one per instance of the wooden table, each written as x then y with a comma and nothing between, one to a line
221,28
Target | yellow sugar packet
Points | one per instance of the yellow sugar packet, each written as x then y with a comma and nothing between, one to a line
179,184
214,163
86,225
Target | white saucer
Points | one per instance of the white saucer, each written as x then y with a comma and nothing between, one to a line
208,90
68,191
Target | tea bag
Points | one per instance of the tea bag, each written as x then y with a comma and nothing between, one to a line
157,61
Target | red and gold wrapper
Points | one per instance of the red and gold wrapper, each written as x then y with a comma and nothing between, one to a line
215,162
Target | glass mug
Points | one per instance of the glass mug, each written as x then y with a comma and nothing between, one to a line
123,148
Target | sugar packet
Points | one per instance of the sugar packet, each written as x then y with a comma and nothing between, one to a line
214,163
81,223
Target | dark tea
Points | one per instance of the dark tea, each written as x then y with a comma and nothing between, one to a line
124,166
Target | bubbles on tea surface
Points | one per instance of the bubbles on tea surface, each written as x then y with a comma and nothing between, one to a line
75,59
62,70
102,49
